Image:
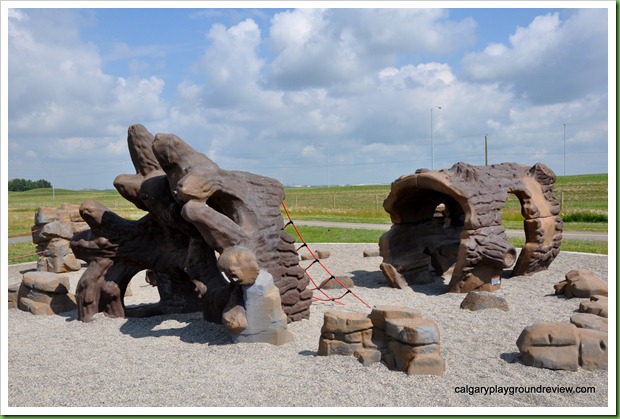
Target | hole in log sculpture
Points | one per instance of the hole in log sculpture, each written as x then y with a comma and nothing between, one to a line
195,209
468,234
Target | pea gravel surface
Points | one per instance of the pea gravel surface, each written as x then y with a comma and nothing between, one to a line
164,363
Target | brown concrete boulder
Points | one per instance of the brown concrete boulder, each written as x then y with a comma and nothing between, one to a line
451,218
597,304
552,345
581,283
413,346
45,293
398,336
12,294
589,321
337,282
481,300
345,333
381,313
320,254
371,253
593,353
566,346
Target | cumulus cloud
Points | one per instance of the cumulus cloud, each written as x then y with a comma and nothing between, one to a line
550,60
322,47
278,96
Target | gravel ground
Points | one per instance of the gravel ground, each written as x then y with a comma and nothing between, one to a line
183,361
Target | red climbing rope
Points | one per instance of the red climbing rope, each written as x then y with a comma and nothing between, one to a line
317,260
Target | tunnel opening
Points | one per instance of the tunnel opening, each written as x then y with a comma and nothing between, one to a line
424,245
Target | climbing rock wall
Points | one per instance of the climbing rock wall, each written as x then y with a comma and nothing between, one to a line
469,234
52,233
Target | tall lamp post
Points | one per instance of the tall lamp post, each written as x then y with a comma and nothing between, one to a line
327,153
432,145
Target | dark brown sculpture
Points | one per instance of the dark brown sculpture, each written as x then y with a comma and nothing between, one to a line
195,209
469,234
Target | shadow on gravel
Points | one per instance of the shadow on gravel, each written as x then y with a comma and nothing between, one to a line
375,279
369,279
511,357
437,287
189,328
309,353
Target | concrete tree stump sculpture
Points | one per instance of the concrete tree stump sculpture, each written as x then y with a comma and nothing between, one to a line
469,235
194,209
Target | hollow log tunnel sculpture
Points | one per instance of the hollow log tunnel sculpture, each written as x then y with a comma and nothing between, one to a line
195,209
469,236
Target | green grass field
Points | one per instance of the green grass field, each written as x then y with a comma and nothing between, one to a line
584,199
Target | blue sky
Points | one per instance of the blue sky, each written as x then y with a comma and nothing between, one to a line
308,96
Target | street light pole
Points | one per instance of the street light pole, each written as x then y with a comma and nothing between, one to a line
327,153
486,150
432,145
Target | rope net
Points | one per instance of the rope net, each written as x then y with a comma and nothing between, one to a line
315,260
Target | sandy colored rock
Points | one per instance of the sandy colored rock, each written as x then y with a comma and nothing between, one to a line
339,282
593,353
415,331
597,304
323,254
480,300
336,347
59,303
371,253
581,283
47,281
345,322
552,345
381,313
239,264
589,321
394,278
367,356
427,364
12,294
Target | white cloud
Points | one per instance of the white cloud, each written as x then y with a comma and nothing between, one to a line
231,64
357,84
550,60
322,47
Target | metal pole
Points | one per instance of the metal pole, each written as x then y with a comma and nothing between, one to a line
486,150
329,182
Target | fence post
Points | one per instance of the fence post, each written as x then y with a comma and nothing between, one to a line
334,202
376,202
562,201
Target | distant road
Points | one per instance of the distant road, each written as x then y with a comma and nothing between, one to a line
568,235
